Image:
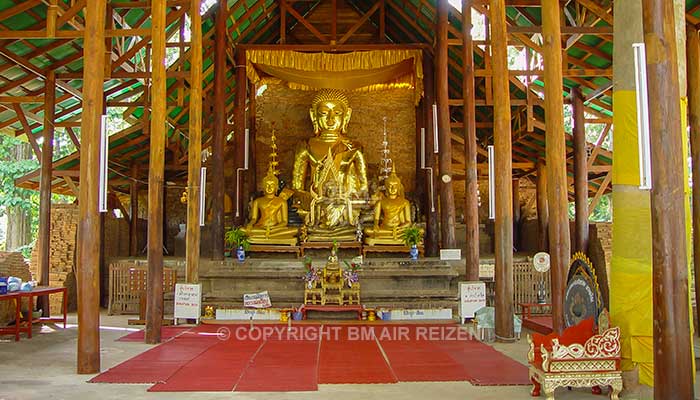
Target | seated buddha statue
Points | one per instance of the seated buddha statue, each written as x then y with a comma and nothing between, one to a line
268,217
331,216
329,158
392,214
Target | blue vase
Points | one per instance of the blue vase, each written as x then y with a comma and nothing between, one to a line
240,254
414,252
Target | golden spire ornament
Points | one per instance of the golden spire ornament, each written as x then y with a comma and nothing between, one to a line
273,162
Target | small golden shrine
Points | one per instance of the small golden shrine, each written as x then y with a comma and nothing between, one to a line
332,285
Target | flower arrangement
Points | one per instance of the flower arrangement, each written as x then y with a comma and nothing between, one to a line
311,275
350,273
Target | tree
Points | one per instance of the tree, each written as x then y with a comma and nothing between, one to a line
19,205
22,205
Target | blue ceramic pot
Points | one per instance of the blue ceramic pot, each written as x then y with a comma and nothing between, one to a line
414,252
240,253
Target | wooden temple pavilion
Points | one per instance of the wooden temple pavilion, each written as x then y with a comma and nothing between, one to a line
63,63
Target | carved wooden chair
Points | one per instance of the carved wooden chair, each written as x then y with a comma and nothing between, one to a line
581,357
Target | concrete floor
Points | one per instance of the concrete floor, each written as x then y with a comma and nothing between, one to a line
44,367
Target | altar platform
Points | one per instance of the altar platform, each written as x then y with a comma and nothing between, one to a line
386,282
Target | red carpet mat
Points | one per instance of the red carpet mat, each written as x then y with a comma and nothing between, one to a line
282,366
219,368
357,361
273,358
422,361
166,333
493,368
158,363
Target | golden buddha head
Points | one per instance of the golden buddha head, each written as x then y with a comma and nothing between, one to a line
270,184
330,111
393,185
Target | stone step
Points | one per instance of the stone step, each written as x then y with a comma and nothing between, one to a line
378,295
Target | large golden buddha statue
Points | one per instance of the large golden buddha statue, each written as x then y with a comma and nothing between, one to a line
392,214
268,217
330,172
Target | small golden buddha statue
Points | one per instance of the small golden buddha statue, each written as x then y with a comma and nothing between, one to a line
329,171
268,217
392,214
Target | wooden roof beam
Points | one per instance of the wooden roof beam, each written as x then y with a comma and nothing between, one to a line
38,72
361,22
20,7
599,11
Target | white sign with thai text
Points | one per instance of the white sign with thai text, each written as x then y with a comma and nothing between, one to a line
472,296
257,300
188,301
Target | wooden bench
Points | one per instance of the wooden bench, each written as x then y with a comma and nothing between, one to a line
332,308
388,248
329,245
274,248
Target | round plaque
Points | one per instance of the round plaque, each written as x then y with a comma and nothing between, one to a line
541,262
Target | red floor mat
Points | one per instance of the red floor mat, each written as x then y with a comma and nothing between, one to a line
217,369
422,361
282,366
493,368
201,359
166,333
156,364
358,361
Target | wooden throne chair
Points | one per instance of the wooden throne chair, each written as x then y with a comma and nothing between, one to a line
582,356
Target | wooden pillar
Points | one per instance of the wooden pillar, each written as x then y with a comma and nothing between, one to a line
504,195
88,273
447,199
580,172
471,179
693,57
557,193
156,172
673,367
432,232
134,221
542,208
194,150
45,188
516,213
219,136
239,123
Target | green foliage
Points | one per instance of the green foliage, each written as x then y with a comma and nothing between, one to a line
411,235
236,237
601,213
11,169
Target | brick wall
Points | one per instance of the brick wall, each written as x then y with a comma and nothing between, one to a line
289,110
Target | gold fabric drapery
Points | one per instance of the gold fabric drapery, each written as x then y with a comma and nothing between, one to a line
360,70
